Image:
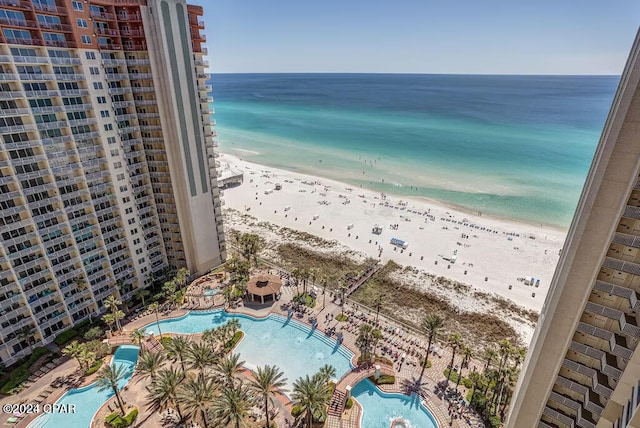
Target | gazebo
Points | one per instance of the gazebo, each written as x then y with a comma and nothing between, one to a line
264,286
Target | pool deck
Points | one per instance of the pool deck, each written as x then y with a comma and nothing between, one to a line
135,392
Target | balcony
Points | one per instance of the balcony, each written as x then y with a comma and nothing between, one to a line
132,33
141,61
23,41
60,43
105,31
49,8
115,61
56,27
628,323
18,22
103,15
65,61
130,17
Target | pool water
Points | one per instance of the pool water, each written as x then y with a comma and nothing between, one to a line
291,345
210,292
380,408
88,400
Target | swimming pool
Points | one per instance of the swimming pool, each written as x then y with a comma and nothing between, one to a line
210,292
291,345
380,408
88,400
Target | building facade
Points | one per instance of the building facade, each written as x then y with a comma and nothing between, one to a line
107,161
583,368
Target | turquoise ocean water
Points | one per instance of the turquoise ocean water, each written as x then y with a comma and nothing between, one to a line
517,147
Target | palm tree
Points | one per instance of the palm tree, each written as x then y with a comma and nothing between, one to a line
295,273
519,355
112,303
155,307
178,349
108,378
313,275
455,341
378,303
149,363
490,354
74,349
138,335
181,277
327,372
232,406
312,395
266,381
343,290
364,341
228,369
86,359
26,333
233,326
163,391
250,246
432,325
109,319
200,356
304,276
466,353
142,293
196,395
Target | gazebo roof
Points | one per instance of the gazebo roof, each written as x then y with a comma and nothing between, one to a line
264,285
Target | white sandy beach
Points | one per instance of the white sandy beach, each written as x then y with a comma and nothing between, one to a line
491,254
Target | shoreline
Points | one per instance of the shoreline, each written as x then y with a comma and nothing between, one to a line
490,255
441,203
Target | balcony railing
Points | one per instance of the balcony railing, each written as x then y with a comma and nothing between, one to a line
18,22
102,15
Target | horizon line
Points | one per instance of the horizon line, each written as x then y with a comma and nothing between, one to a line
417,74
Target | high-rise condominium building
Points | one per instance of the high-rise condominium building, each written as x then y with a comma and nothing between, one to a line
107,161
583,369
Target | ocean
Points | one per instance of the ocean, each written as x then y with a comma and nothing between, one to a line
516,147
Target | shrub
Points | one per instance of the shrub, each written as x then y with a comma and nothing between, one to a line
131,417
305,299
94,368
93,333
383,380
342,317
165,341
296,411
233,341
114,420
21,371
65,337
349,403
453,377
421,362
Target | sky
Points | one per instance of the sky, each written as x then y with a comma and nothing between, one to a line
420,36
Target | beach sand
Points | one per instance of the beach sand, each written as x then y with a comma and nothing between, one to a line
491,255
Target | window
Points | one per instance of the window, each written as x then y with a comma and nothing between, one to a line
90,55
94,70
131,221
77,6
128,210
126,199
115,152
97,85
102,100
108,127
120,177
123,188
82,23
86,40
104,113
117,165
111,140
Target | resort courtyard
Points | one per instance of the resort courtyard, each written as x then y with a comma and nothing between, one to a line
301,339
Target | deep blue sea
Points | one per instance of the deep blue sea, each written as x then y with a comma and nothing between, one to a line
517,147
